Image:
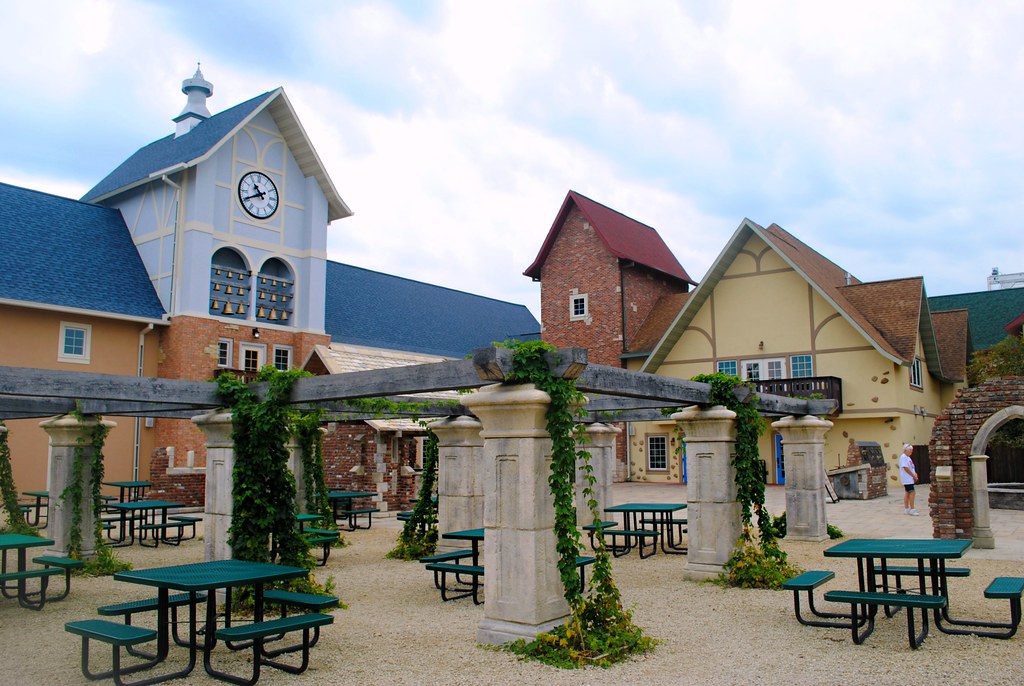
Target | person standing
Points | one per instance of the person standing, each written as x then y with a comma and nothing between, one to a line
908,477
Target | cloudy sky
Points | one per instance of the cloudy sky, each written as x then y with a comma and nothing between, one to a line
886,135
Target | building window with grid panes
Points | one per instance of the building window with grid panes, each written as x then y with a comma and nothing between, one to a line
282,357
578,307
727,367
74,343
657,453
801,366
224,350
916,373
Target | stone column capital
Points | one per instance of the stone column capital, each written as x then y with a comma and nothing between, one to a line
461,429
803,429
218,427
64,431
715,424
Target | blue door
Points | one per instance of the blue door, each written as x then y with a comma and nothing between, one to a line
780,464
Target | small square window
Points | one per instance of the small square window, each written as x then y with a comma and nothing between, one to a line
75,343
801,366
727,367
578,307
282,357
657,453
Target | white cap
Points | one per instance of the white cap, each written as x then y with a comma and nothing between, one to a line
905,446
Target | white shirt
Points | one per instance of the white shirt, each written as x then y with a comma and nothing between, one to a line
905,461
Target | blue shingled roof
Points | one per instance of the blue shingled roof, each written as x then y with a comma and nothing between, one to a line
383,311
171,151
58,251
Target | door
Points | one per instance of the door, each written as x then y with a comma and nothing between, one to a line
254,356
780,463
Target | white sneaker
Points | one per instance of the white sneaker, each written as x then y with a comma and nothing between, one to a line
913,513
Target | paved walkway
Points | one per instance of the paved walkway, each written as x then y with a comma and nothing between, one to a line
877,518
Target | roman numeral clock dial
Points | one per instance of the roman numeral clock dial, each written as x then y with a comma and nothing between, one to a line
258,195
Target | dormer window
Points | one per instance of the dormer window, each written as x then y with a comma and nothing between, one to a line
229,285
275,292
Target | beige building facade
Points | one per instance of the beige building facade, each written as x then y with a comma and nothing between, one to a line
775,312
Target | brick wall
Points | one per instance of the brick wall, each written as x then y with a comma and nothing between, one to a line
579,264
643,287
188,350
952,502
348,444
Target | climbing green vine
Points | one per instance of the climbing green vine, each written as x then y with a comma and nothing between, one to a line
15,522
419,534
314,483
599,630
757,562
74,494
264,489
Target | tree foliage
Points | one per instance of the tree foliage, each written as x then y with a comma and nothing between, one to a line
1005,358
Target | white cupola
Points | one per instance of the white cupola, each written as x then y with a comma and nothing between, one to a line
198,90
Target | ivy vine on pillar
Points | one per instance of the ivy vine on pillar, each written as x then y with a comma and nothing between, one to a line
757,562
263,489
15,521
599,630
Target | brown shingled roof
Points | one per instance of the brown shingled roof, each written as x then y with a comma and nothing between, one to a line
625,238
951,335
889,314
893,308
660,318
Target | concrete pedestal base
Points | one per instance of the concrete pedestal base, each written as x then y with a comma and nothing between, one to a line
495,632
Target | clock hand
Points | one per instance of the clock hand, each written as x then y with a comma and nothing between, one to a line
261,195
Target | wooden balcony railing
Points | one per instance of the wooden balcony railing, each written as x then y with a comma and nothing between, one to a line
828,387
247,377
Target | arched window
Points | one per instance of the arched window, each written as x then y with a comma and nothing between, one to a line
230,283
275,292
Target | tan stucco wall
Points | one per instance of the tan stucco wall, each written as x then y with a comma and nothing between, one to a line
762,309
30,338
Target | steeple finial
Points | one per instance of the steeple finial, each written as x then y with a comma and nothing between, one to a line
198,89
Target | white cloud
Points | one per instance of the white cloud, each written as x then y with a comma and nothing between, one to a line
885,135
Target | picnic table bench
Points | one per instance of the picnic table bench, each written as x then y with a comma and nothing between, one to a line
864,605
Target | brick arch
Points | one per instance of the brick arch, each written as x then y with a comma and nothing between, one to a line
963,429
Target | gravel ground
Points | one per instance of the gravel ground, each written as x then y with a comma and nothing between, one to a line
396,630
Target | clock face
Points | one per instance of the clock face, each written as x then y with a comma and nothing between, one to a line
258,195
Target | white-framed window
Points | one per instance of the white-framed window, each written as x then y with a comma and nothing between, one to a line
916,373
801,366
578,307
283,357
253,356
657,452
755,370
75,343
225,348
727,367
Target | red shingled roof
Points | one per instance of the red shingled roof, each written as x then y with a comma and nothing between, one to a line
625,238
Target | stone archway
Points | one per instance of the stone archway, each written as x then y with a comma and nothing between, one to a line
961,431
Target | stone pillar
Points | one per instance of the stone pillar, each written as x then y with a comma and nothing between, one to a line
715,522
803,449
602,463
982,535
298,471
65,433
460,488
220,465
524,594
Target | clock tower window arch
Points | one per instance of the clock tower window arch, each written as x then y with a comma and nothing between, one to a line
275,292
230,284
